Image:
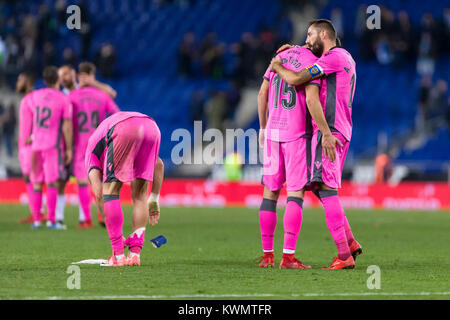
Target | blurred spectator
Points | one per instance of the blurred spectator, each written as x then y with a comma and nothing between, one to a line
69,57
383,168
106,60
197,105
438,101
187,53
216,109
212,56
85,31
8,123
424,96
402,40
49,55
233,99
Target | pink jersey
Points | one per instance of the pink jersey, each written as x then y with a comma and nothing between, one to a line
95,152
50,107
288,118
90,108
25,120
338,88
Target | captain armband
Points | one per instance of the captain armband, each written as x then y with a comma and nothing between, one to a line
315,71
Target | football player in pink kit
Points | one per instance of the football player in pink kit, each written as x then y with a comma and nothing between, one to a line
90,107
24,85
124,148
285,136
68,81
52,122
336,68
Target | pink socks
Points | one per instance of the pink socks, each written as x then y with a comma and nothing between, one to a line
35,205
52,196
268,222
30,195
85,201
136,240
292,223
335,216
114,222
348,231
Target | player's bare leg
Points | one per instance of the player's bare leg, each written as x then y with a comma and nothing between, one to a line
114,221
292,222
268,223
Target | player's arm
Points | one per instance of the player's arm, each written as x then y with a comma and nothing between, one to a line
95,179
105,88
153,201
292,77
25,122
263,96
68,138
316,111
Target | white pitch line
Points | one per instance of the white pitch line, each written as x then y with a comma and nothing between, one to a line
249,295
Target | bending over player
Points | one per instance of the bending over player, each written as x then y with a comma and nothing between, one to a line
124,148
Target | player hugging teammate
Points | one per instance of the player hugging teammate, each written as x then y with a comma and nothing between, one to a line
308,93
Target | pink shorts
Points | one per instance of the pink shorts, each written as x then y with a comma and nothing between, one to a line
132,150
25,159
79,169
47,166
285,162
323,170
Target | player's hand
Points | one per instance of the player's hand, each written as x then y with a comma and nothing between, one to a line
28,140
276,60
154,212
262,137
68,156
328,146
284,47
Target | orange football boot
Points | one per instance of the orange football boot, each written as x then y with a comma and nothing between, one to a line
28,219
290,262
267,260
85,225
339,264
113,262
355,249
134,261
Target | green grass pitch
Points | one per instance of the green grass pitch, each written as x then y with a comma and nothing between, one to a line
212,254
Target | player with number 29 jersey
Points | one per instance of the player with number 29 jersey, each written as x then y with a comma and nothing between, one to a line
90,108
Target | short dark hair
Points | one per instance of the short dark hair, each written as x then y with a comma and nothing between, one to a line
86,67
327,25
69,66
50,75
29,76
